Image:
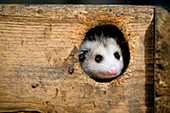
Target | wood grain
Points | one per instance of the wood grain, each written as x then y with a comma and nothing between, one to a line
39,67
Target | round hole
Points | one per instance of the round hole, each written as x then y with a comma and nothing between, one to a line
109,42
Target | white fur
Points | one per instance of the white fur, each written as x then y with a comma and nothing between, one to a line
100,70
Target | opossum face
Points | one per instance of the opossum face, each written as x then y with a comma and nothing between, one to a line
102,60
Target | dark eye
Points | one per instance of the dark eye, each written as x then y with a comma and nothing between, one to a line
98,58
116,54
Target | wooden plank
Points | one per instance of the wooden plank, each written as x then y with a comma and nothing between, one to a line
162,72
39,59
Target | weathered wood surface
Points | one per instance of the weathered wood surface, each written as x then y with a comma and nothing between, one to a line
162,72
39,68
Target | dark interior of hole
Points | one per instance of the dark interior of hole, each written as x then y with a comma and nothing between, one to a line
110,31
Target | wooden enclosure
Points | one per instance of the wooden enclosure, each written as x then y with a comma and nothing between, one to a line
39,66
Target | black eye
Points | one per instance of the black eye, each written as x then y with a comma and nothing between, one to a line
116,54
98,58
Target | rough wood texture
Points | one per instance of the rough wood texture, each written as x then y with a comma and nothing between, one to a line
162,76
39,59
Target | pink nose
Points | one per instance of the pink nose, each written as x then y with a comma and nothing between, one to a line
113,70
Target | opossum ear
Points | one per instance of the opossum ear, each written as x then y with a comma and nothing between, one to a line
82,55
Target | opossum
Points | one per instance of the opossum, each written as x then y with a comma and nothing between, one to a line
104,53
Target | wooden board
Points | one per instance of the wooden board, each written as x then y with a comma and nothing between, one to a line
162,64
39,67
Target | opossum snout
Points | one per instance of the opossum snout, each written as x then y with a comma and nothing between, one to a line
113,70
